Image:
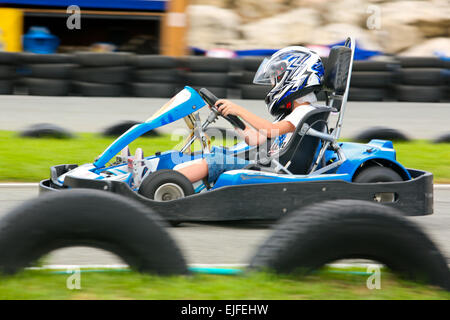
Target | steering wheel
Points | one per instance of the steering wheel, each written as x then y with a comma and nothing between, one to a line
211,100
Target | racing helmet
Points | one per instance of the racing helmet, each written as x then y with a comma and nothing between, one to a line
292,72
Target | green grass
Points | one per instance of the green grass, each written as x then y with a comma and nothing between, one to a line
27,159
33,284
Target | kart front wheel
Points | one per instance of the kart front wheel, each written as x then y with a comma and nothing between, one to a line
379,174
166,185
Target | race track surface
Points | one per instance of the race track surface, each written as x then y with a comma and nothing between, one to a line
219,243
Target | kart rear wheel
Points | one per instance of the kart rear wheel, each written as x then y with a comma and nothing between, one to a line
379,174
166,185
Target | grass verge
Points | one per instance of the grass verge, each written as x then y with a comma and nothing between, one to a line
38,284
28,159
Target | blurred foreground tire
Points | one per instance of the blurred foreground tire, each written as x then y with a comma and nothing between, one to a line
309,238
88,218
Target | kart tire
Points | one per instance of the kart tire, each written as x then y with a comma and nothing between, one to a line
46,130
366,94
7,71
36,58
371,79
6,87
103,59
88,218
106,75
418,93
153,90
253,91
353,229
9,57
206,64
157,75
154,62
422,76
47,87
375,174
51,71
382,133
203,79
150,186
121,127
91,89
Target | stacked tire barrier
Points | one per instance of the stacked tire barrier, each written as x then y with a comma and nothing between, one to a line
101,74
155,76
420,79
47,75
7,72
206,72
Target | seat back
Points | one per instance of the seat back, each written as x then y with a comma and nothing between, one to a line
338,72
301,149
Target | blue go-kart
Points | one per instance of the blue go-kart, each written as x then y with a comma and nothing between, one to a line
313,167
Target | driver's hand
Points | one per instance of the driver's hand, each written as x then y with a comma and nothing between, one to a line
226,107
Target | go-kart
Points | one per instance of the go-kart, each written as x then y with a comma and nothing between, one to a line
312,167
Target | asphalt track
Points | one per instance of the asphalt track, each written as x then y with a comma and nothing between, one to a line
83,114
220,243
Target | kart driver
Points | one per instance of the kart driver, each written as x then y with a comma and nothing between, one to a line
294,73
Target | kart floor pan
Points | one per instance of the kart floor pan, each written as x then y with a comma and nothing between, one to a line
252,202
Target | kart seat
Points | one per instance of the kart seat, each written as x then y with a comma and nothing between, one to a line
301,148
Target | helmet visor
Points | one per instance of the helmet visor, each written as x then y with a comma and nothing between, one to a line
269,72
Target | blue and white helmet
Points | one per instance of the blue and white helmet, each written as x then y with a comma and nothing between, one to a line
293,72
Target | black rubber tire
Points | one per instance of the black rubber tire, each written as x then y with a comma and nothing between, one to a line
445,138
154,62
6,87
366,94
52,70
418,93
313,236
421,76
219,92
106,75
7,71
375,174
421,62
203,79
153,90
120,128
368,65
90,89
35,58
155,179
206,64
383,133
46,130
157,75
247,77
252,63
9,57
102,59
371,79
88,218
254,91
47,87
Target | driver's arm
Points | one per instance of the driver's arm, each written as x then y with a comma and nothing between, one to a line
263,127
